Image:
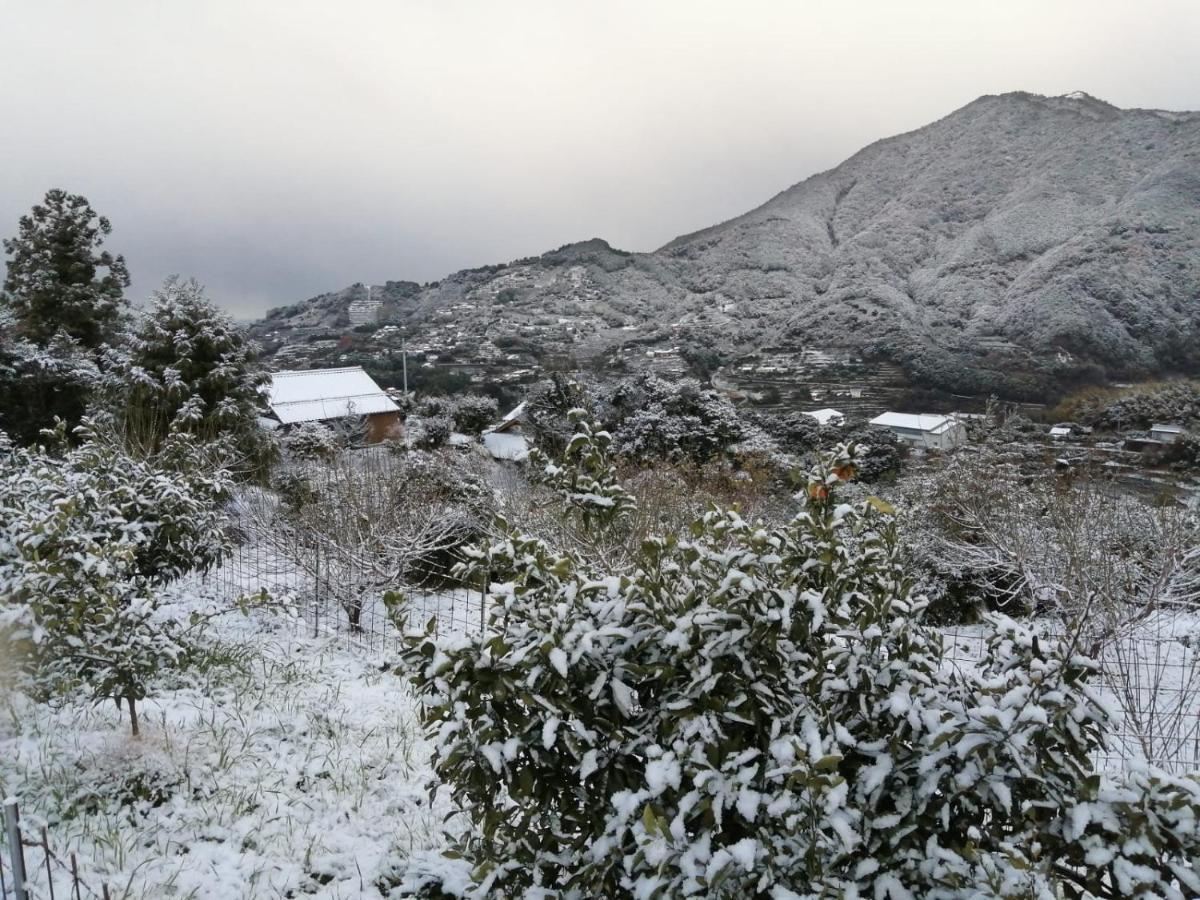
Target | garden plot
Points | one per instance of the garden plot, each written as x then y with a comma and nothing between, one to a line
284,766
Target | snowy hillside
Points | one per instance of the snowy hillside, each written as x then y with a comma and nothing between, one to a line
1020,242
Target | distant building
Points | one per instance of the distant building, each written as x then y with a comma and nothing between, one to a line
827,416
506,440
363,312
1058,432
1166,433
933,432
323,395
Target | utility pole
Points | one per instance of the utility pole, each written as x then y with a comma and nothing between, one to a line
404,355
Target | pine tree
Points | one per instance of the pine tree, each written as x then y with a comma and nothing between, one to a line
189,370
39,385
54,282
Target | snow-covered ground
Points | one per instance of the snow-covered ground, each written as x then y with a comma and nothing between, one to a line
293,767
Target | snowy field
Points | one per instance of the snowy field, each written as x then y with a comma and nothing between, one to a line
288,766
285,767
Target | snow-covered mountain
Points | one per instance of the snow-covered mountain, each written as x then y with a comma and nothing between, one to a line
1020,242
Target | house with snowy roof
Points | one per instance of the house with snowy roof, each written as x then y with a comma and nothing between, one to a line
324,395
506,439
927,430
827,416
1167,433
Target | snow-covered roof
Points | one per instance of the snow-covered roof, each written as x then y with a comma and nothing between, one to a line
505,446
1168,429
925,422
825,416
513,418
313,395
1059,431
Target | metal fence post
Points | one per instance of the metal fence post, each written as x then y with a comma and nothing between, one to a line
487,583
12,825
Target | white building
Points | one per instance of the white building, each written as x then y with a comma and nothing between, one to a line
933,432
1166,433
320,395
1060,431
827,416
506,440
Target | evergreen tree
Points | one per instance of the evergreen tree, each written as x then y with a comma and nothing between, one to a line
54,280
39,385
188,370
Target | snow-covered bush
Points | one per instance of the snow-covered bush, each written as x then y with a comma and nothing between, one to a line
674,420
428,432
759,712
1184,453
548,410
587,479
472,413
86,539
881,453
311,441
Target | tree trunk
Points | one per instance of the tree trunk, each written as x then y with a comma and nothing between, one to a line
133,716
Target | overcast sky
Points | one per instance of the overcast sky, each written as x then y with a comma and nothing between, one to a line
275,150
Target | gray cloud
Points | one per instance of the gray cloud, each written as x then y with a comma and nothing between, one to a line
276,150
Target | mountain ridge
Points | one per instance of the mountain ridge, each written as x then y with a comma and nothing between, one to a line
1019,243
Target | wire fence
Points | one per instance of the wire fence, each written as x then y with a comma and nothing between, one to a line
347,605
1149,673
30,869
1149,676
383,525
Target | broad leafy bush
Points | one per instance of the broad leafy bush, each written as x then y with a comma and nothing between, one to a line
86,539
762,713
472,414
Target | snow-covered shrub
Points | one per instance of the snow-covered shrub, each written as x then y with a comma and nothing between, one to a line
674,420
761,712
881,453
587,479
1184,453
428,432
86,539
472,413
548,410
796,432
311,441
